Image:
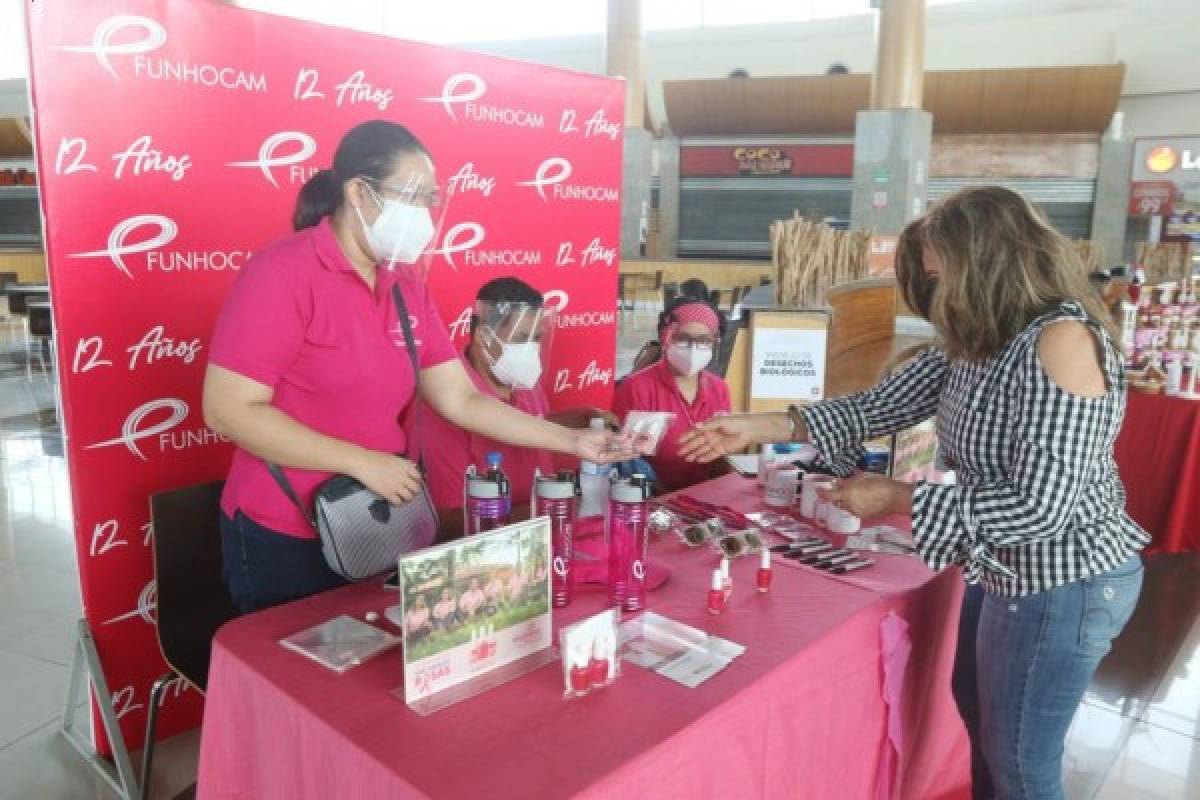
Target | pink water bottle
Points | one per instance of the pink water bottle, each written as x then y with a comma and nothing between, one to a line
625,533
487,499
556,497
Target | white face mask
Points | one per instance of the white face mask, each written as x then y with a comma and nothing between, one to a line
688,360
519,365
400,233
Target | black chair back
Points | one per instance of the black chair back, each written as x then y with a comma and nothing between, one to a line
41,322
192,599
19,298
720,363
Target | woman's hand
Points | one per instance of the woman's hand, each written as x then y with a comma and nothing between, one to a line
732,433
870,495
393,478
599,447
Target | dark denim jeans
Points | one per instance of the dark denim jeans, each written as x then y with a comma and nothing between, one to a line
264,568
1020,672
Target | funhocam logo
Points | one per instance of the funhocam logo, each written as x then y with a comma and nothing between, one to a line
165,230
460,238
462,98
110,38
139,427
550,182
299,147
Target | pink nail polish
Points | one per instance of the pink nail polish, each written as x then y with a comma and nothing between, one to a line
763,579
581,678
716,594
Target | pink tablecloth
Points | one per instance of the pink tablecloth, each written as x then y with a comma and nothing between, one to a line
801,715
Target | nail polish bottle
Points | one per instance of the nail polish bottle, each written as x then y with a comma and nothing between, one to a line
716,594
581,673
726,578
763,579
599,664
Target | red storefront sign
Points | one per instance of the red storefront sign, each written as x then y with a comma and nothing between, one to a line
816,160
1151,198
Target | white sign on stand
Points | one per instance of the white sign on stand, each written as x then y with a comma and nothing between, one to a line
476,613
788,364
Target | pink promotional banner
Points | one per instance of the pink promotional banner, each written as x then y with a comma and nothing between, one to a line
172,138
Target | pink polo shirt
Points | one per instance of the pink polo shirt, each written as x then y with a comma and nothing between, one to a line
302,321
653,388
447,449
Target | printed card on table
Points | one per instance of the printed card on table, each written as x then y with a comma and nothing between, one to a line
474,605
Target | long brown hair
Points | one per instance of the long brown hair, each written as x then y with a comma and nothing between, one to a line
1003,266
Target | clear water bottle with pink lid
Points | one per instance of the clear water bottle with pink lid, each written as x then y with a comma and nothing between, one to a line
626,535
557,497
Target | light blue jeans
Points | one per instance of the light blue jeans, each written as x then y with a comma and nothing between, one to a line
1020,672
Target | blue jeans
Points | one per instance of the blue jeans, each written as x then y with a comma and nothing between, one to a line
264,568
1020,672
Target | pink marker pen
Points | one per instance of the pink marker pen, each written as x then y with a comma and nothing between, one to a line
716,594
763,579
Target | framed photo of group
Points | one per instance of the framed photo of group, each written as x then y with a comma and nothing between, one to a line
476,613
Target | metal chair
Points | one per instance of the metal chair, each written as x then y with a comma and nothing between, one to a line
6,278
9,323
19,298
632,286
39,336
192,599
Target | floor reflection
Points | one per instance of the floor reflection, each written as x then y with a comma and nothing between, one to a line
1138,733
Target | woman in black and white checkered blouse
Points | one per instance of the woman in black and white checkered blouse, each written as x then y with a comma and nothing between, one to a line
1028,393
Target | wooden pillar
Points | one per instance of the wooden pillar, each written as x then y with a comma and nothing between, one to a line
899,76
624,56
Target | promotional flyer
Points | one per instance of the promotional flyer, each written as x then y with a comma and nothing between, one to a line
474,605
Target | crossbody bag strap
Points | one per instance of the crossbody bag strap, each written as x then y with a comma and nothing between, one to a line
410,344
286,486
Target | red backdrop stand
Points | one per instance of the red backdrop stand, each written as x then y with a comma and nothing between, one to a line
172,138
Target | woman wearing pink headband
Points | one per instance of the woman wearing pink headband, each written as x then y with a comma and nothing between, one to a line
690,333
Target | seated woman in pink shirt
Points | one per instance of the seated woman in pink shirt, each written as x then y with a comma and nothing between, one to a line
510,336
492,592
416,620
309,368
516,587
472,599
690,330
445,610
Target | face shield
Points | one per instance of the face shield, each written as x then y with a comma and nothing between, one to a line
514,339
412,211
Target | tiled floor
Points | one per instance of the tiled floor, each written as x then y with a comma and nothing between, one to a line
1136,737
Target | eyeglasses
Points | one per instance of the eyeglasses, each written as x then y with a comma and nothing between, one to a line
694,342
408,195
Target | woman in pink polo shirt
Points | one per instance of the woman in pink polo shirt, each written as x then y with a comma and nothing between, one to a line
689,330
309,369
